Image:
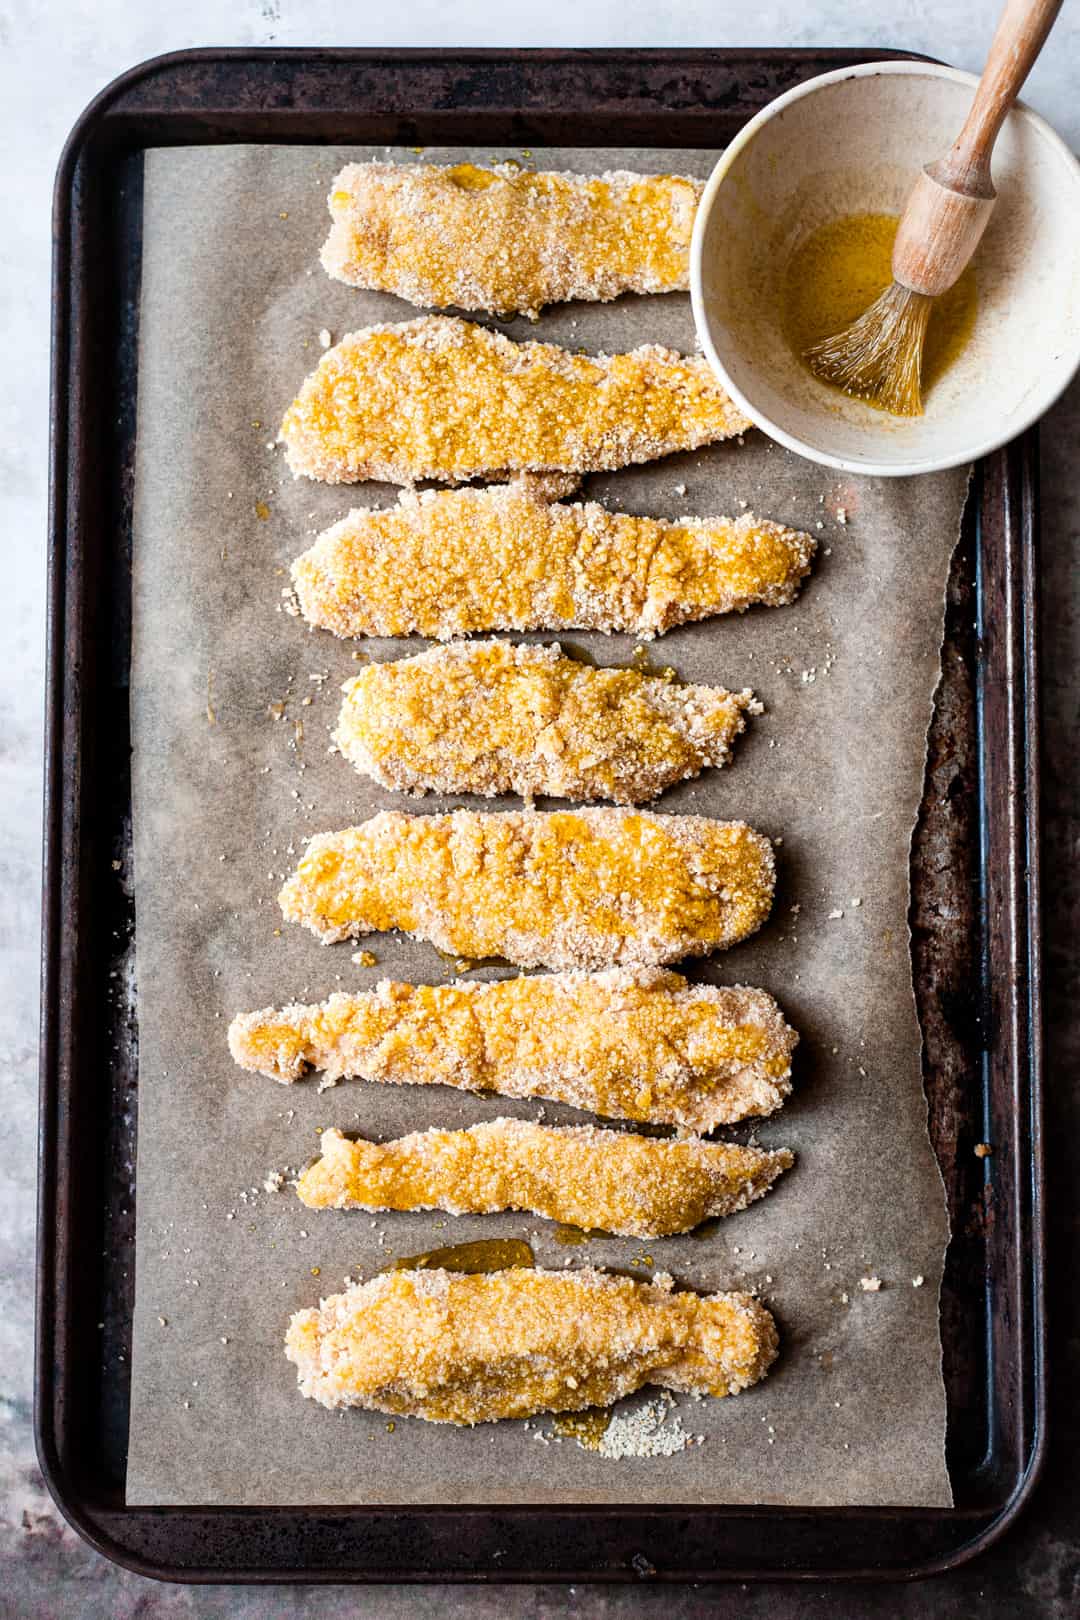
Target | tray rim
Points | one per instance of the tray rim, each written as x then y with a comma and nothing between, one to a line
60,816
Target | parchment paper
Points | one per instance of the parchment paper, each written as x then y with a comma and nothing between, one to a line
233,300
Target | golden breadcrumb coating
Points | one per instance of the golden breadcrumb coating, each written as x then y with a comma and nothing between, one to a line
457,1347
450,562
445,399
563,889
631,1043
488,717
635,1186
507,239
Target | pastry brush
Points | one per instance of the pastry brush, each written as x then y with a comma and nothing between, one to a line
879,356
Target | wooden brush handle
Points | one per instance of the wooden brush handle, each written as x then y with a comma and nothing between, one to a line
1021,35
950,206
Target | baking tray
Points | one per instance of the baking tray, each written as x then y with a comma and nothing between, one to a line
975,878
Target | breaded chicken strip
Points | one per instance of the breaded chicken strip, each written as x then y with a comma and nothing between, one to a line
563,889
455,1347
445,399
507,239
488,717
450,562
635,1186
631,1043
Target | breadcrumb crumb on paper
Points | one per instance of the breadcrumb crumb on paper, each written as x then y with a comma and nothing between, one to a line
652,1430
630,1043
561,889
534,562
614,1181
446,399
474,1348
506,239
487,717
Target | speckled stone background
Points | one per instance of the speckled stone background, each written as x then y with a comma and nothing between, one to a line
56,54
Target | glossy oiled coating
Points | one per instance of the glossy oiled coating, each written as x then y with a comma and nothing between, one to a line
564,889
507,239
636,1186
445,399
450,562
631,1043
489,717
460,1348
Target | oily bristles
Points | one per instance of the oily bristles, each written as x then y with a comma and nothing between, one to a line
879,356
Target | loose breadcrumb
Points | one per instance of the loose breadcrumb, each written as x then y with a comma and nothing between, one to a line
450,562
634,1186
563,889
506,239
446,399
653,1430
870,1285
631,1043
473,1348
487,717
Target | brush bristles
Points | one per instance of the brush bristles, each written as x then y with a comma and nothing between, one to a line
879,356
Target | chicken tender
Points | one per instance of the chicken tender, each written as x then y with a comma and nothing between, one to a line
507,239
634,1186
488,717
632,1043
450,562
562,889
445,399
471,1348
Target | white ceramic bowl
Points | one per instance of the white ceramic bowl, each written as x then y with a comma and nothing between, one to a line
852,142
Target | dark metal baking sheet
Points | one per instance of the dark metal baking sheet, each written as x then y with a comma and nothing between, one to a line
974,878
